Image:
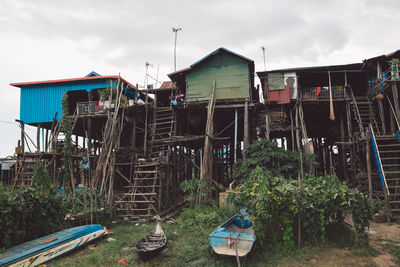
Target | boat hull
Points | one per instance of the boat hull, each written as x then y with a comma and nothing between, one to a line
39,251
147,252
232,241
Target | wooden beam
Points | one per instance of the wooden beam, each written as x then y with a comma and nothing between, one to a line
246,129
38,138
396,99
369,172
235,137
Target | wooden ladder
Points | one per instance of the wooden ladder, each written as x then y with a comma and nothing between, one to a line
141,201
162,131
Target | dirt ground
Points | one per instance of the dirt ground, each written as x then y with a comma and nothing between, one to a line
380,235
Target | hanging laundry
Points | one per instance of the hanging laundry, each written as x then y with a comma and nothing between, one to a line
318,90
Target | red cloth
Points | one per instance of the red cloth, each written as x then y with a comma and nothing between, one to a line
318,90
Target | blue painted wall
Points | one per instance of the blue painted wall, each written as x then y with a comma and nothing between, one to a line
40,103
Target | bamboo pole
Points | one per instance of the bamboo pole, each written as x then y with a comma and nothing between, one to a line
207,164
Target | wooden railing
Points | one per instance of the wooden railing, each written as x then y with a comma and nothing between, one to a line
378,161
395,116
353,98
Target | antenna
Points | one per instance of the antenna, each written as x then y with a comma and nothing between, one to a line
146,79
175,30
263,49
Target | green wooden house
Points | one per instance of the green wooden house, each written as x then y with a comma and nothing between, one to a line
233,74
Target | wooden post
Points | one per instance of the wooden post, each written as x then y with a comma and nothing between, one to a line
38,138
235,137
396,99
47,140
133,138
22,137
382,116
342,148
89,144
369,172
393,125
206,172
246,128
267,130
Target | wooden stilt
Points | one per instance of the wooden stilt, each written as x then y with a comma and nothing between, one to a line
369,172
38,138
396,99
342,149
245,129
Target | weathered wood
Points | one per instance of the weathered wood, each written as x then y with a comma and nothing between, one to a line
246,129
331,109
382,116
267,129
22,137
342,149
206,171
235,139
133,138
38,138
369,169
396,99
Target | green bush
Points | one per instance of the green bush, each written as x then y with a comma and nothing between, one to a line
274,160
276,203
28,213
269,186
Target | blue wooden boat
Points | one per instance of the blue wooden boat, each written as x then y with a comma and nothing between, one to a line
235,237
48,247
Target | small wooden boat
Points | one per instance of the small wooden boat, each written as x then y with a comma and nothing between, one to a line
48,247
235,237
148,247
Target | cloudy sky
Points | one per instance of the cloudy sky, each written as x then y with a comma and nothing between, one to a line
46,39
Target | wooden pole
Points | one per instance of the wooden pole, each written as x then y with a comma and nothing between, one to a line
133,139
89,144
382,116
267,130
246,128
369,172
396,99
235,137
22,137
38,138
331,109
47,140
206,172
342,148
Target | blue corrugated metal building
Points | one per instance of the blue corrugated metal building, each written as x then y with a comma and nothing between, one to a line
40,101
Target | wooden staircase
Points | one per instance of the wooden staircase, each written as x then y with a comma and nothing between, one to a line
142,199
365,114
389,153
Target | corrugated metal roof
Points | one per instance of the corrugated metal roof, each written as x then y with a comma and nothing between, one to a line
167,85
71,80
354,66
216,52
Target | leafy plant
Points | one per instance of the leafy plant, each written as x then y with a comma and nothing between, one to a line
277,203
27,213
192,186
40,178
273,160
277,199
